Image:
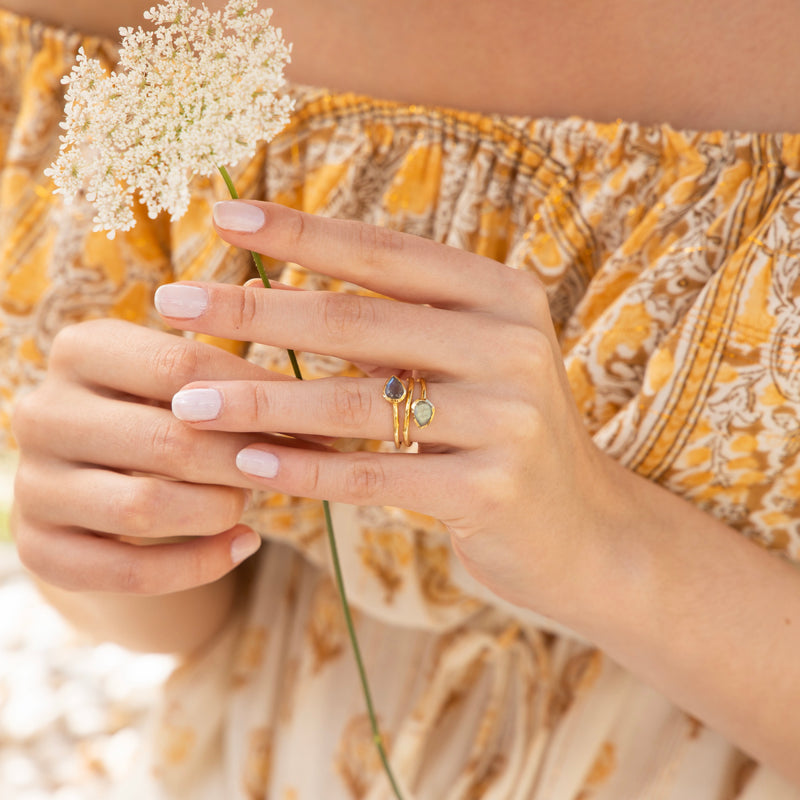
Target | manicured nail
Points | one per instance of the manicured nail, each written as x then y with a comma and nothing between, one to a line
257,462
244,546
233,215
181,302
197,405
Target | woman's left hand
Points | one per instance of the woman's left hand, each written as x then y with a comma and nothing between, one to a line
531,504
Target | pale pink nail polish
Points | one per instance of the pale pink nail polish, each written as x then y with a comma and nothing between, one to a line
197,405
244,546
181,302
233,215
257,462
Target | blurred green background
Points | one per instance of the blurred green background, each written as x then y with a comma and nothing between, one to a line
7,464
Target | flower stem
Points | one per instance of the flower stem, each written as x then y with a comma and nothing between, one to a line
262,273
377,738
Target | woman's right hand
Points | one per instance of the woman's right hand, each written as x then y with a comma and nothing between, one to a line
105,466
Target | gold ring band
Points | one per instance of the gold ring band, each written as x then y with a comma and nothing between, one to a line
407,419
422,409
394,391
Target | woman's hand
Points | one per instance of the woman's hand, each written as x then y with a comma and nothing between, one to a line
506,463
104,466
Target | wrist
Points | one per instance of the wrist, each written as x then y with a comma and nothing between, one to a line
621,561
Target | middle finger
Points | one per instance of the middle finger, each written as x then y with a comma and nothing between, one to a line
133,437
362,329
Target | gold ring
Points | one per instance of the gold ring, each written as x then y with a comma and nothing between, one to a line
407,419
422,409
395,392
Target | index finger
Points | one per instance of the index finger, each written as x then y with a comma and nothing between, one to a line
385,261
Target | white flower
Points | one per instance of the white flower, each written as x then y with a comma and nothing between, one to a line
198,92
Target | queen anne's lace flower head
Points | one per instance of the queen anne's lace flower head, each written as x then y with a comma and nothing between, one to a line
198,92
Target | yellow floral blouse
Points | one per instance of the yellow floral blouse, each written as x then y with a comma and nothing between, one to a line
671,261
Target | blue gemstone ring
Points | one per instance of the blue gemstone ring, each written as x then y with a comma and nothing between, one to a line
395,392
421,409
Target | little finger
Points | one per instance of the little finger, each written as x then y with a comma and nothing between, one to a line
439,485
76,560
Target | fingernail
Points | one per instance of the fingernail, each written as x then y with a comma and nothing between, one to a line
244,546
233,215
181,302
257,462
197,405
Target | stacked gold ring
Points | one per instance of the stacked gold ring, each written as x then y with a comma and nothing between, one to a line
407,418
421,410
395,392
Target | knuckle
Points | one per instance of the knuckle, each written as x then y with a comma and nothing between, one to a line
531,350
168,442
374,242
296,228
27,486
248,310
363,480
310,483
30,556
516,420
531,291
26,416
491,490
77,339
73,339
65,343
136,511
351,406
262,404
346,315
177,363
38,558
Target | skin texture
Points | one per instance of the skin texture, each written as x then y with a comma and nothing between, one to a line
716,64
128,515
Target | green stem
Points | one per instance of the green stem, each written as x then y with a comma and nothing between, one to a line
262,273
377,738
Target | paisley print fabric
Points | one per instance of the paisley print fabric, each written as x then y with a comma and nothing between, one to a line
670,258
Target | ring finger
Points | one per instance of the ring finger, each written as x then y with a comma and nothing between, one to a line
340,407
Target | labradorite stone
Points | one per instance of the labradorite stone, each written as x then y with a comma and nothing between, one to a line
394,389
423,412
